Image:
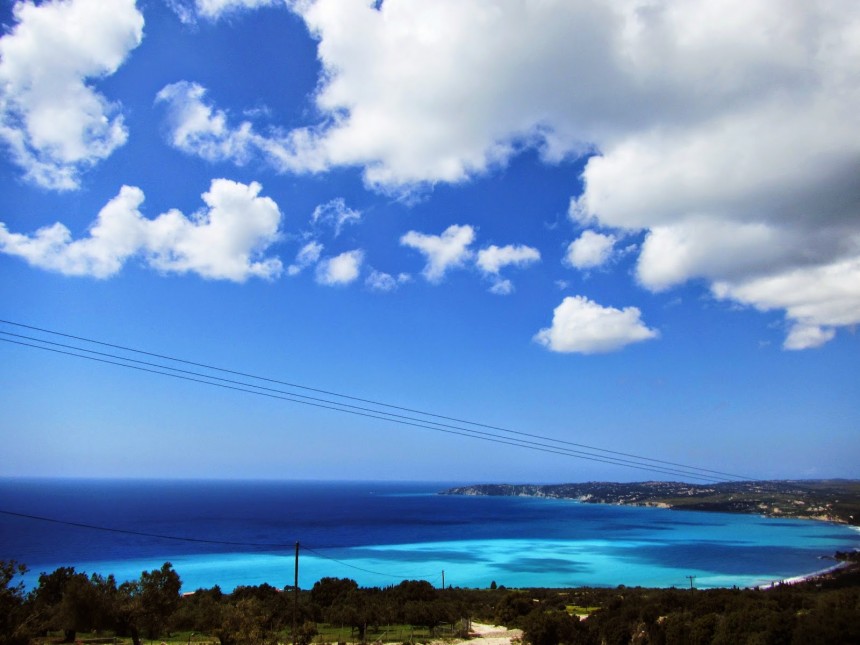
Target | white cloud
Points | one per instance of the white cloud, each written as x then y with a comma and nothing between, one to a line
214,9
441,91
336,214
380,281
582,326
715,249
226,240
198,128
443,252
816,300
725,131
808,336
398,95
494,258
117,234
53,122
590,250
341,269
502,287
307,255
756,192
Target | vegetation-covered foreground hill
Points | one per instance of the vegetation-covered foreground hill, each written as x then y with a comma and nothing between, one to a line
68,606
834,500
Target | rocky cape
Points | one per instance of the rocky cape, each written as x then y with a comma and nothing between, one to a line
832,500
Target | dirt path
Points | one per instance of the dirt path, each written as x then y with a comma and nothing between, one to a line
492,635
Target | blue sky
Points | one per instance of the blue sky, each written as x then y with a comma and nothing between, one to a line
630,225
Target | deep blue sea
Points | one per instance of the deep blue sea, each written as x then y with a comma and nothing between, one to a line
382,533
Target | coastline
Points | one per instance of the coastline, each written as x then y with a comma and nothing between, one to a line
831,501
377,533
808,577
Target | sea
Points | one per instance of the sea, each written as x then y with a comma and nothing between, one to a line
233,533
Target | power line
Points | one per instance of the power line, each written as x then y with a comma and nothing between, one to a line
352,566
369,401
691,472
373,414
329,405
178,538
348,407
352,409
639,462
108,529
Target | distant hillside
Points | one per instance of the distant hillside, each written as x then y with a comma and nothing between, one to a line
833,500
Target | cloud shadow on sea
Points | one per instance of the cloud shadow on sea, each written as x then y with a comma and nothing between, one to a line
617,527
717,557
418,555
687,523
544,565
826,536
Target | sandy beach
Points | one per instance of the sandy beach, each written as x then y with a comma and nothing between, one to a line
806,577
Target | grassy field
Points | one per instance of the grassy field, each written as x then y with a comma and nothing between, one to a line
579,610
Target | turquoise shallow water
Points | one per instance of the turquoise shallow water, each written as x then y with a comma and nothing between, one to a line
379,534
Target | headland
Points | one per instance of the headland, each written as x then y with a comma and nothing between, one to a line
830,500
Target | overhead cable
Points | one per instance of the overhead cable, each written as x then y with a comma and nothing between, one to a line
178,538
474,434
556,446
373,402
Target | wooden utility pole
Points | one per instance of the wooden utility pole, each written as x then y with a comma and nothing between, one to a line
691,581
443,579
296,596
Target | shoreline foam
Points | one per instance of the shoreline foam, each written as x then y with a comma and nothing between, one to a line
794,580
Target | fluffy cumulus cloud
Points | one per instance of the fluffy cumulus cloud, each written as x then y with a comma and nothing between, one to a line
590,250
582,326
493,259
750,181
816,299
335,214
197,127
384,282
52,120
341,269
451,250
307,256
444,252
502,287
441,91
226,240
724,131
214,9
189,10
